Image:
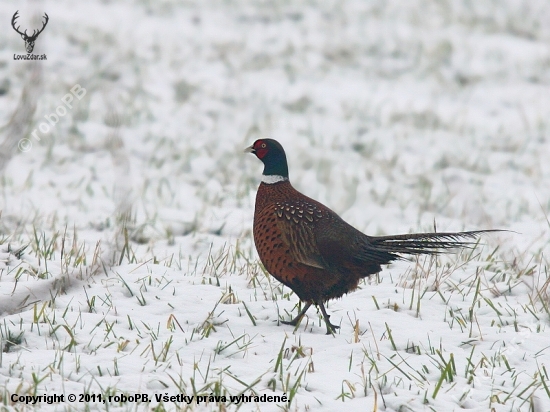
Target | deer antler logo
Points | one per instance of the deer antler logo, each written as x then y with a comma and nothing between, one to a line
29,40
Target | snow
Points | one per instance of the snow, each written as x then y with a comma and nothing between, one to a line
140,273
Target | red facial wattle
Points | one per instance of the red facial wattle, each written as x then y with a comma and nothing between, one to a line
260,149
261,153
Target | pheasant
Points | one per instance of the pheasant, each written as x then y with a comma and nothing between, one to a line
310,249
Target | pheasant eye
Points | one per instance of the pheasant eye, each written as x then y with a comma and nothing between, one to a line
264,145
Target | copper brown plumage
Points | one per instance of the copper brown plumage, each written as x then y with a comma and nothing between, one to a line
310,249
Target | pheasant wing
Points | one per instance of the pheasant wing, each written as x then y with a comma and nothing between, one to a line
296,227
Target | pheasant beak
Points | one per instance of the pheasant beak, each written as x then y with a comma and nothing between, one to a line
250,149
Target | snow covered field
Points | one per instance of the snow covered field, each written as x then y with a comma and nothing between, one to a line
140,275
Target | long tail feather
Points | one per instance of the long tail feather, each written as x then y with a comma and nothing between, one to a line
425,243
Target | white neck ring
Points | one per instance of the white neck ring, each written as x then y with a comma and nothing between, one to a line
271,179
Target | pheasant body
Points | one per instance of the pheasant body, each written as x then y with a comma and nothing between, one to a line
284,233
310,249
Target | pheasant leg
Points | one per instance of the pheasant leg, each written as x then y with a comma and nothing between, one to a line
299,317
